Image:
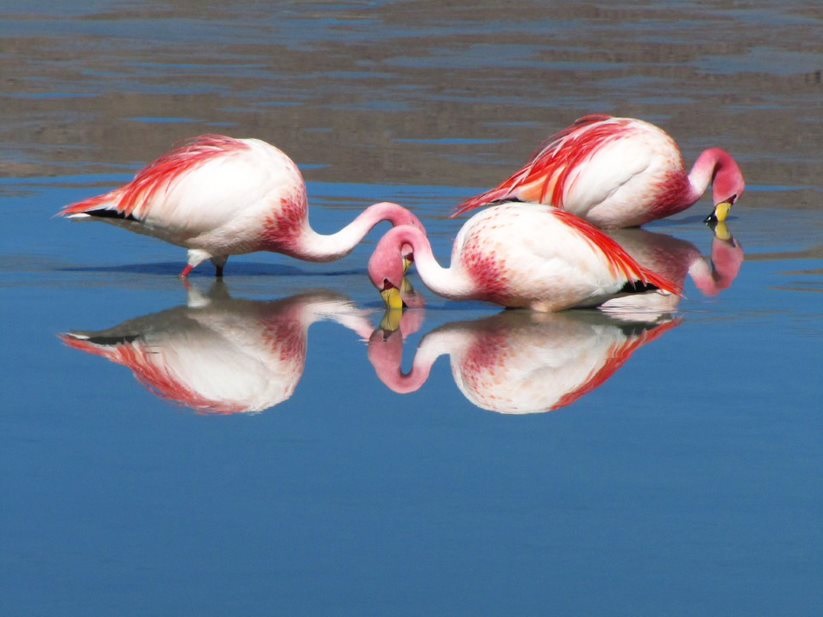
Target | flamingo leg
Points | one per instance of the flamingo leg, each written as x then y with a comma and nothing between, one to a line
196,257
219,263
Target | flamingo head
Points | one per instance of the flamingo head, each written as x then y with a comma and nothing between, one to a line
727,186
388,265
408,322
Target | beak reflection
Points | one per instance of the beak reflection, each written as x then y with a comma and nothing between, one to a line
403,297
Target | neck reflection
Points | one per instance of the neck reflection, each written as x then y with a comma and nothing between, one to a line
677,259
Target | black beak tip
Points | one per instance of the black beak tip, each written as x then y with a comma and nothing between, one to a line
711,219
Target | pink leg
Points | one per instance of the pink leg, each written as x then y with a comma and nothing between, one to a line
196,257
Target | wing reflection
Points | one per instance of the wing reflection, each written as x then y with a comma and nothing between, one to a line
219,354
675,259
520,362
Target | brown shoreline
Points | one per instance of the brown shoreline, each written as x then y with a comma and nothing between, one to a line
413,93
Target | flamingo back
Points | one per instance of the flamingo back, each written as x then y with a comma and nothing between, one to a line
609,170
543,257
215,191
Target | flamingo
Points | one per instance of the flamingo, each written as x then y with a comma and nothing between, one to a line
618,172
519,362
219,196
220,355
677,259
502,255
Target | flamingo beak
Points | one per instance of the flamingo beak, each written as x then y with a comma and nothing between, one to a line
720,212
392,297
391,321
721,231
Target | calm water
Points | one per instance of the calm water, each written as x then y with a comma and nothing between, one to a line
304,461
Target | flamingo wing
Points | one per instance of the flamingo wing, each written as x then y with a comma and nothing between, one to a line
546,258
545,174
617,355
209,184
619,163
620,263
135,199
149,369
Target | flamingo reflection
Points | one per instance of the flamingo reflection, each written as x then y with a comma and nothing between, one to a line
520,362
219,354
676,259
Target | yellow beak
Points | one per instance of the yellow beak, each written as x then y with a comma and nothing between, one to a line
721,211
391,320
392,298
721,232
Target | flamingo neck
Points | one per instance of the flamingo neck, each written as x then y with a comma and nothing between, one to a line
387,357
452,282
307,309
313,246
713,166
715,275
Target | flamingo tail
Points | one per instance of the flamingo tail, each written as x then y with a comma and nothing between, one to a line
543,176
95,345
101,206
651,280
501,193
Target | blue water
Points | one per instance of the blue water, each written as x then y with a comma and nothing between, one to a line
687,481
695,466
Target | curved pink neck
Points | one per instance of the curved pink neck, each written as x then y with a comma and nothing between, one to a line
449,282
717,167
313,246
386,356
713,277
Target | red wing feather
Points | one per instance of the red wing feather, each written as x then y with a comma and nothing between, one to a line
620,261
543,178
134,198
155,377
618,356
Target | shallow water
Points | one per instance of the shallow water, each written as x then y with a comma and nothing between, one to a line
334,468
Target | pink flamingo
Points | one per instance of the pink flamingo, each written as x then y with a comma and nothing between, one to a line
519,362
618,172
677,259
219,196
518,255
220,355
